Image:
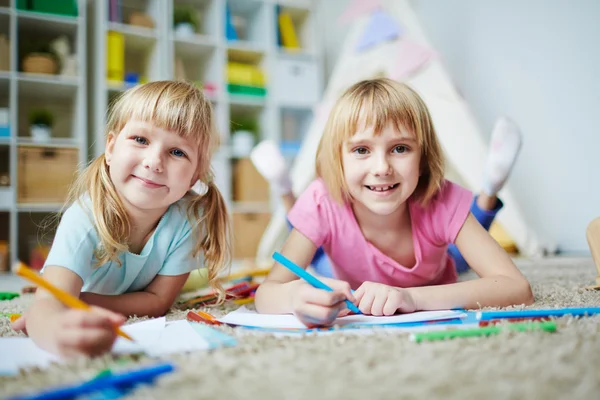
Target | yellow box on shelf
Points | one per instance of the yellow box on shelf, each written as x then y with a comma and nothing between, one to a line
245,74
287,31
115,56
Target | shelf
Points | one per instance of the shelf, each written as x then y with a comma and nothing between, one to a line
50,25
194,47
5,76
4,10
299,54
36,228
302,20
249,18
240,101
53,142
207,13
245,53
4,241
5,24
117,87
251,207
55,94
39,207
54,86
136,37
7,198
4,94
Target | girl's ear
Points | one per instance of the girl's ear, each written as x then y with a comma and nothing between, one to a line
110,145
195,179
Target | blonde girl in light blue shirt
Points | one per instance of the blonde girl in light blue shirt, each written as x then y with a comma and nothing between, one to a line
133,229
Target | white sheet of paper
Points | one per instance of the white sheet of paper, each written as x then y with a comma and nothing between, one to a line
177,337
145,333
20,352
154,337
244,317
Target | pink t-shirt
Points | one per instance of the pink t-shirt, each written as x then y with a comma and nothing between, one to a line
355,260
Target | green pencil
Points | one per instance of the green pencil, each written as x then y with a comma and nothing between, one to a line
549,326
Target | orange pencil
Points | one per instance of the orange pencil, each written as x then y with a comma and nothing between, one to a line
64,297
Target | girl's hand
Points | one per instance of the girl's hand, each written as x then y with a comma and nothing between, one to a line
379,299
317,307
19,324
79,332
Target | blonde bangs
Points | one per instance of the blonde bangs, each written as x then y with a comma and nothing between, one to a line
175,106
374,104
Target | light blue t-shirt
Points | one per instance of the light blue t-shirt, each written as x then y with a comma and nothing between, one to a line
167,252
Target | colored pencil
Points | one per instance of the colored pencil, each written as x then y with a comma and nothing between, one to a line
312,280
558,312
548,326
108,386
66,298
511,320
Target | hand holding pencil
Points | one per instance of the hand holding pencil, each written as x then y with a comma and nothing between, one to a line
83,328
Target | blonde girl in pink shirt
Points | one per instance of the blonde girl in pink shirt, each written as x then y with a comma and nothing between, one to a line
394,229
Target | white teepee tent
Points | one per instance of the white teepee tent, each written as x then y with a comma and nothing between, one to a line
408,58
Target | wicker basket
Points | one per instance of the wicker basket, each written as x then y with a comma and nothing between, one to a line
39,63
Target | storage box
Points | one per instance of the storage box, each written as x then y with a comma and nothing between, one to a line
60,7
4,53
248,184
296,81
248,229
45,173
4,262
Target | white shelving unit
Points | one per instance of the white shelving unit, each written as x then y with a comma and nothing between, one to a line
294,79
20,92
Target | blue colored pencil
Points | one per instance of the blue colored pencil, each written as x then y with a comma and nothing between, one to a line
116,382
312,280
558,312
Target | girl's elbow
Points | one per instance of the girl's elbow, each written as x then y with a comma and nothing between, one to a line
160,309
525,293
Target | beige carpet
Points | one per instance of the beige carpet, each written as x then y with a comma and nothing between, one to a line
558,365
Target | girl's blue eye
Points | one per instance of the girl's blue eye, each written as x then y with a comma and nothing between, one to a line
401,149
360,150
140,140
178,153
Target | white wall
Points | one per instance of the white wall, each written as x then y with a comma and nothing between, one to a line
538,62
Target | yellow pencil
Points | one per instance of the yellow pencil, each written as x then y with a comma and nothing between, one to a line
64,297
247,300
207,316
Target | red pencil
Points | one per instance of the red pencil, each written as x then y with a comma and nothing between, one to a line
511,320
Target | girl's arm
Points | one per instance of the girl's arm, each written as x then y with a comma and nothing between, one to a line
154,301
274,295
64,331
46,308
500,284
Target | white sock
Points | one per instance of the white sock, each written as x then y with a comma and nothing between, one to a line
270,163
504,149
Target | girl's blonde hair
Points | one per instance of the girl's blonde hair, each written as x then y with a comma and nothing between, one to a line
178,107
374,103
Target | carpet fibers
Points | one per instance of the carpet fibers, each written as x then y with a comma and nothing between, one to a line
384,365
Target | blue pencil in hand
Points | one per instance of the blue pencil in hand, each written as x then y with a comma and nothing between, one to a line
312,280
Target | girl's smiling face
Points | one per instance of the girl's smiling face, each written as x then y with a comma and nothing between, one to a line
382,170
150,167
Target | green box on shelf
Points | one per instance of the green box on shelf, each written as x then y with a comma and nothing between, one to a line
59,7
246,90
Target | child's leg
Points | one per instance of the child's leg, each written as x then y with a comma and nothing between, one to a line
593,238
505,146
270,163
485,216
